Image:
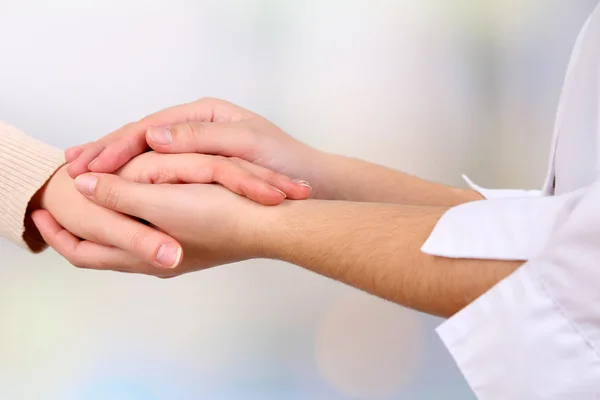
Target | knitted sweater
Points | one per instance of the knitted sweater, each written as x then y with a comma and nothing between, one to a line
26,165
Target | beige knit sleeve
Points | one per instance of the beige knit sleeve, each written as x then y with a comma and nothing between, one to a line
26,165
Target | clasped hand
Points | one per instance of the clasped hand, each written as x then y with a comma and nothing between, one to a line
168,214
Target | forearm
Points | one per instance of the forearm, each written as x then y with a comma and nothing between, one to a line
376,248
356,180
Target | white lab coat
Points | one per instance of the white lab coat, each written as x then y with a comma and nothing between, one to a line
536,335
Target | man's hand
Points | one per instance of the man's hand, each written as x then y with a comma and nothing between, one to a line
208,126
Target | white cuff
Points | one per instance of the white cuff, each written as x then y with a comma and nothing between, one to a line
490,194
513,225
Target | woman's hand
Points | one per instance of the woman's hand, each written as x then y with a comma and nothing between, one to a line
209,126
214,225
116,242
111,239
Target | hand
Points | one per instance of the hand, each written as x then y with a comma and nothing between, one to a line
165,168
208,126
214,225
111,239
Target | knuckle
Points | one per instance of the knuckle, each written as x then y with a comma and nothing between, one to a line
207,100
272,175
160,174
196,129
130,125
220,167
111,197
136,240
126,129
127,147
188,131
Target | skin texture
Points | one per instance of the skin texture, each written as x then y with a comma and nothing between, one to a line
364,225
376,247
215,126
372,246
117,242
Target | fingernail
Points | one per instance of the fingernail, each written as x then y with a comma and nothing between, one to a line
160,135
86,184
168,255
300,182
284,195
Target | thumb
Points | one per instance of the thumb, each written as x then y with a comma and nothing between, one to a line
225,139
115,193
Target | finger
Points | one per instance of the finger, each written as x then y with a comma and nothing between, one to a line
198,168
142,241
257,183
295,189
224,139
81,253
132,141
81,164
92,150
117,194
73,152
113,193
207,109
86,254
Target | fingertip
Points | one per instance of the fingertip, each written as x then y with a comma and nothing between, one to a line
302,183
37,217
273,197
75,169
293,191
281,193
94,164
81,164
169,255
103,164
86,184
301,192
45,223
72,153
159,137
109,160
297,189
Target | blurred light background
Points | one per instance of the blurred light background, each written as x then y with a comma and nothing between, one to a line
432,87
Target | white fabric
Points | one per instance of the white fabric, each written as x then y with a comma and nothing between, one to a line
536,335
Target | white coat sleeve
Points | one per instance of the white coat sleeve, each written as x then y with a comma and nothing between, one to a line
536,335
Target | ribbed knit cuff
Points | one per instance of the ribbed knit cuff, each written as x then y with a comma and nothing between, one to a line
26,165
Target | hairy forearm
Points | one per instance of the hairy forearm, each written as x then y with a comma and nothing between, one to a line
376,248
356,180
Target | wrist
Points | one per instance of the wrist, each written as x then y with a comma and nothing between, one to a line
290,231
271,232
50,192
328,178
40,198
